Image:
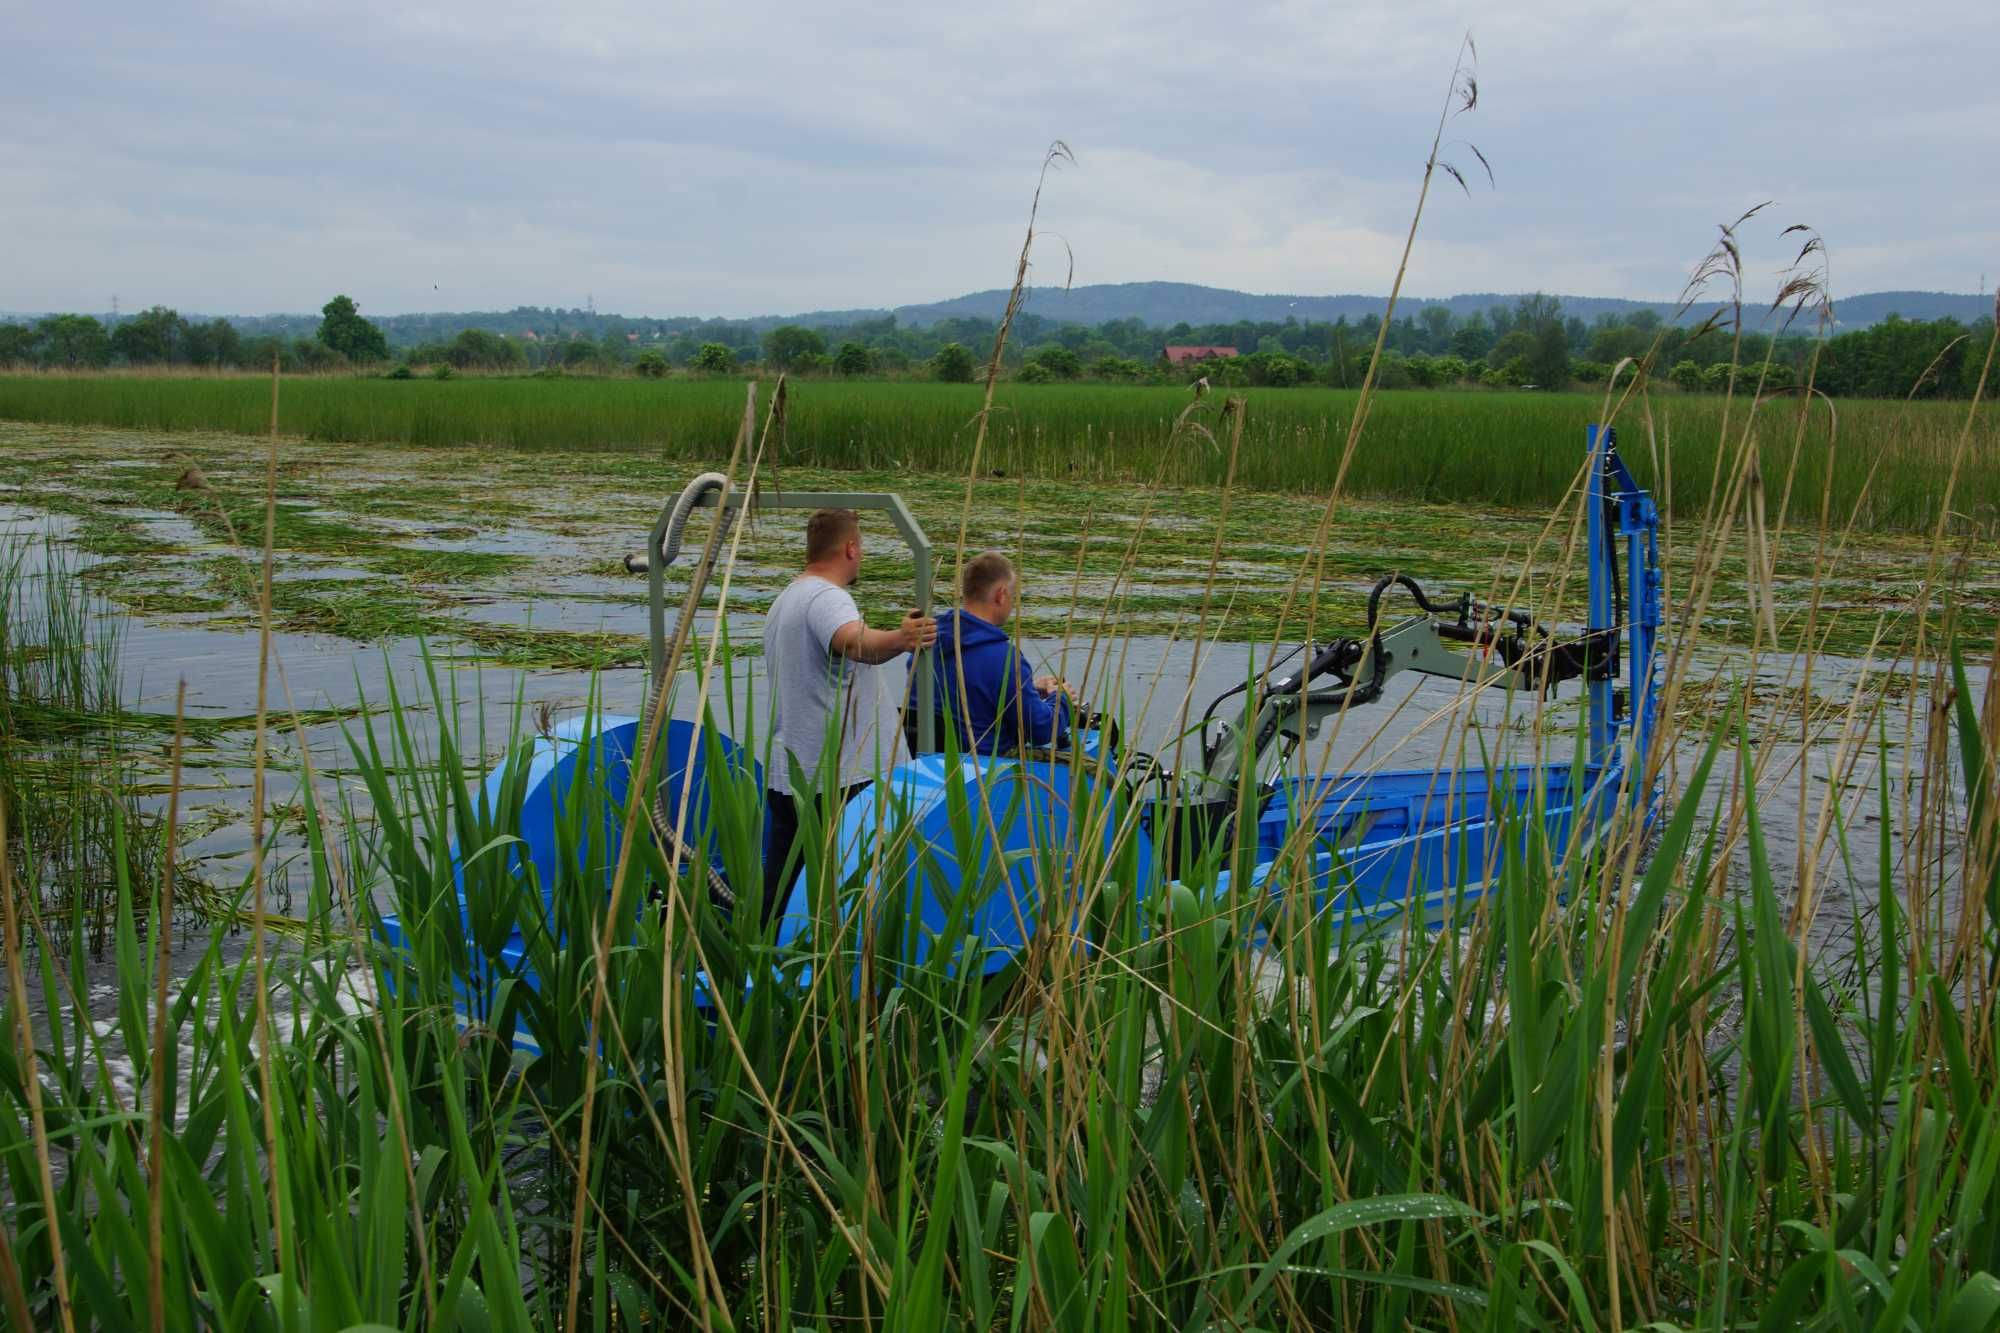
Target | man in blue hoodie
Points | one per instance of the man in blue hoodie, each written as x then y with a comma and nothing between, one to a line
1000,706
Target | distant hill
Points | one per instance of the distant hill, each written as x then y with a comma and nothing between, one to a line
1158,305
1164,304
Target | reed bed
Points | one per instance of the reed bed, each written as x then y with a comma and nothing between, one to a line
1625,1088
1623,1092
67,773
1880,459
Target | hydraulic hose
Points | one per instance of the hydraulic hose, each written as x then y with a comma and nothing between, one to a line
670,542
1416,590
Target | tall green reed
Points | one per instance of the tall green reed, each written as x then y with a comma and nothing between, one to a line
64,767
1167,1128
1472,447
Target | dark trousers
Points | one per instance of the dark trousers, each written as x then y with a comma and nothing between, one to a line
780,837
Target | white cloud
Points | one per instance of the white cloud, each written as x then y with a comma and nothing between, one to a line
771,157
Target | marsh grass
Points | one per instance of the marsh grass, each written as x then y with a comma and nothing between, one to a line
66,771
1480,448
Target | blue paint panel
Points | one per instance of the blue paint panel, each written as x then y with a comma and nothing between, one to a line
561,768
981,888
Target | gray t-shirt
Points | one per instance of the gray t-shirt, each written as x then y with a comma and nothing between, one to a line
810,685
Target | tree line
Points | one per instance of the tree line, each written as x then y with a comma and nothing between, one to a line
1530,343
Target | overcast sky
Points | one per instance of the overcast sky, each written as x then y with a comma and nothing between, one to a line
742,158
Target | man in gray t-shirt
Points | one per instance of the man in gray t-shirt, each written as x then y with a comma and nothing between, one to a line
819,658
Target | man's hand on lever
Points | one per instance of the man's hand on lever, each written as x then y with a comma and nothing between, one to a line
1049,685
873,647
918,631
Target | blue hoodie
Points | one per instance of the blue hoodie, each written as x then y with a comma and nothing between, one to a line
1003,708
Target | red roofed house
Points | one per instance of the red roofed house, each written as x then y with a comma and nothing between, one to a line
1181,356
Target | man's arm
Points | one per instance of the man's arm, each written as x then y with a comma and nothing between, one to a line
1044,719
872,647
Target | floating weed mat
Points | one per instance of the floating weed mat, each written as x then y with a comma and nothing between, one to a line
1088,548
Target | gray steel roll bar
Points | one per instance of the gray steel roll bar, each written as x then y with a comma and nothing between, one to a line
885,501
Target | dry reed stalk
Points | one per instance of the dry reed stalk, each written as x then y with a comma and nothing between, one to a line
1058,152
1461,96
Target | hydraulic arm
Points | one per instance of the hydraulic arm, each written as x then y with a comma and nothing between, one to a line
1462,640
1469,641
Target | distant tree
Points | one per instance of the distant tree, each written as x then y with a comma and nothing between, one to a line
1059,361
215,343
1686,374
1770,374
1548,362
1589,372
1116,368
17,344
714,359
1034,372
72,342
1613,343
1716,377
479,349
1394,372
952,364
1515,343
1473,339
313,354
1436,321
853,359
787,346
256,353
1978,347
152,337
1424,370
344,330
651,363
580,352
1275,370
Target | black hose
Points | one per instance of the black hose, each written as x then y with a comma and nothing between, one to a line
1416,589
1208,714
